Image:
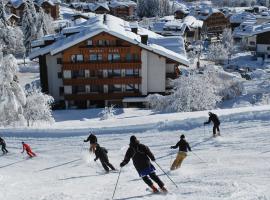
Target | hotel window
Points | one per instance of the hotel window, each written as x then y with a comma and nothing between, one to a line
114,73
78,74
132,87
136,57
60,75
103,43
59,61
78,89
268,48
95,57
61,91
129,72
132,72
77,58
128,57
89,42
115,88
114,57
96,88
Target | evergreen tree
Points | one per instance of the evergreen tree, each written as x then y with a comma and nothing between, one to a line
12,96
29,24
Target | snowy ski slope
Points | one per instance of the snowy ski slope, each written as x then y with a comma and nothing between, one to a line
236,167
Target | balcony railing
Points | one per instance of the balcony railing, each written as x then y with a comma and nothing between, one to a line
102,81
101,96
102,65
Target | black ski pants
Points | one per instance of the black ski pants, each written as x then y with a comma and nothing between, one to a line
4,149
215,128
106,165
155,178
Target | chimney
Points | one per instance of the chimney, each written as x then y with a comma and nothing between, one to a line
134,30
104,19
144,39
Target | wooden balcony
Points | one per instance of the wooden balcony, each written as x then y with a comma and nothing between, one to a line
102,81
102,65
100,96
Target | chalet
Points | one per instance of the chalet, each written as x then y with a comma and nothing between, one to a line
263,41
13,19
214,21
189,28
106,61
238,18
16,7
124,9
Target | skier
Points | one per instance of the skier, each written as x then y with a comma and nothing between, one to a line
93,140
3,144
28,150
140,155
101,154
182,154
214,118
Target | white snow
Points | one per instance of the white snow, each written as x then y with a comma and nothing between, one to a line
236,165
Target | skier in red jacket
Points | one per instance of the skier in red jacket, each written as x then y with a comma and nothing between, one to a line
28,150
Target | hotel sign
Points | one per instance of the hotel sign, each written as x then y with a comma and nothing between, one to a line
102,50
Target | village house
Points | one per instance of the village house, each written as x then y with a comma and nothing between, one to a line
189,28
214,21
124,9
50,7
107,60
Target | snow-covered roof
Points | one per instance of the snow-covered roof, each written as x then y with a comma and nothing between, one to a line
206,12
250,30
241,17
177,6
12,15
18,3
192,22
116,27
121,3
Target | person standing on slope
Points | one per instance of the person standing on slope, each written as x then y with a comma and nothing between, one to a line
3,144
101,154
214,118
140,155
28,150
93,140
183,146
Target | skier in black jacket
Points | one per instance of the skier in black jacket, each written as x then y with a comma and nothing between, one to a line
101,154
140,155
3,144
93,140
182,154
214,118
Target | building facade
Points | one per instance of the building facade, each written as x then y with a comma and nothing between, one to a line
105,69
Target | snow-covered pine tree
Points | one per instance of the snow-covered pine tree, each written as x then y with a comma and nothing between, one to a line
11,39
44,23
217,52
165,8
29,24
38,107
107,113
227,41
190,93
3,16
147,8
12,96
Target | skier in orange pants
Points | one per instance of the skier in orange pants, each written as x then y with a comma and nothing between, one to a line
28,150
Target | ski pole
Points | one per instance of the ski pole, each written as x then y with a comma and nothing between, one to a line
166,175
199,157
116,182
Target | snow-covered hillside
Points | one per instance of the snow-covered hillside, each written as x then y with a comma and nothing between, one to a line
236,165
